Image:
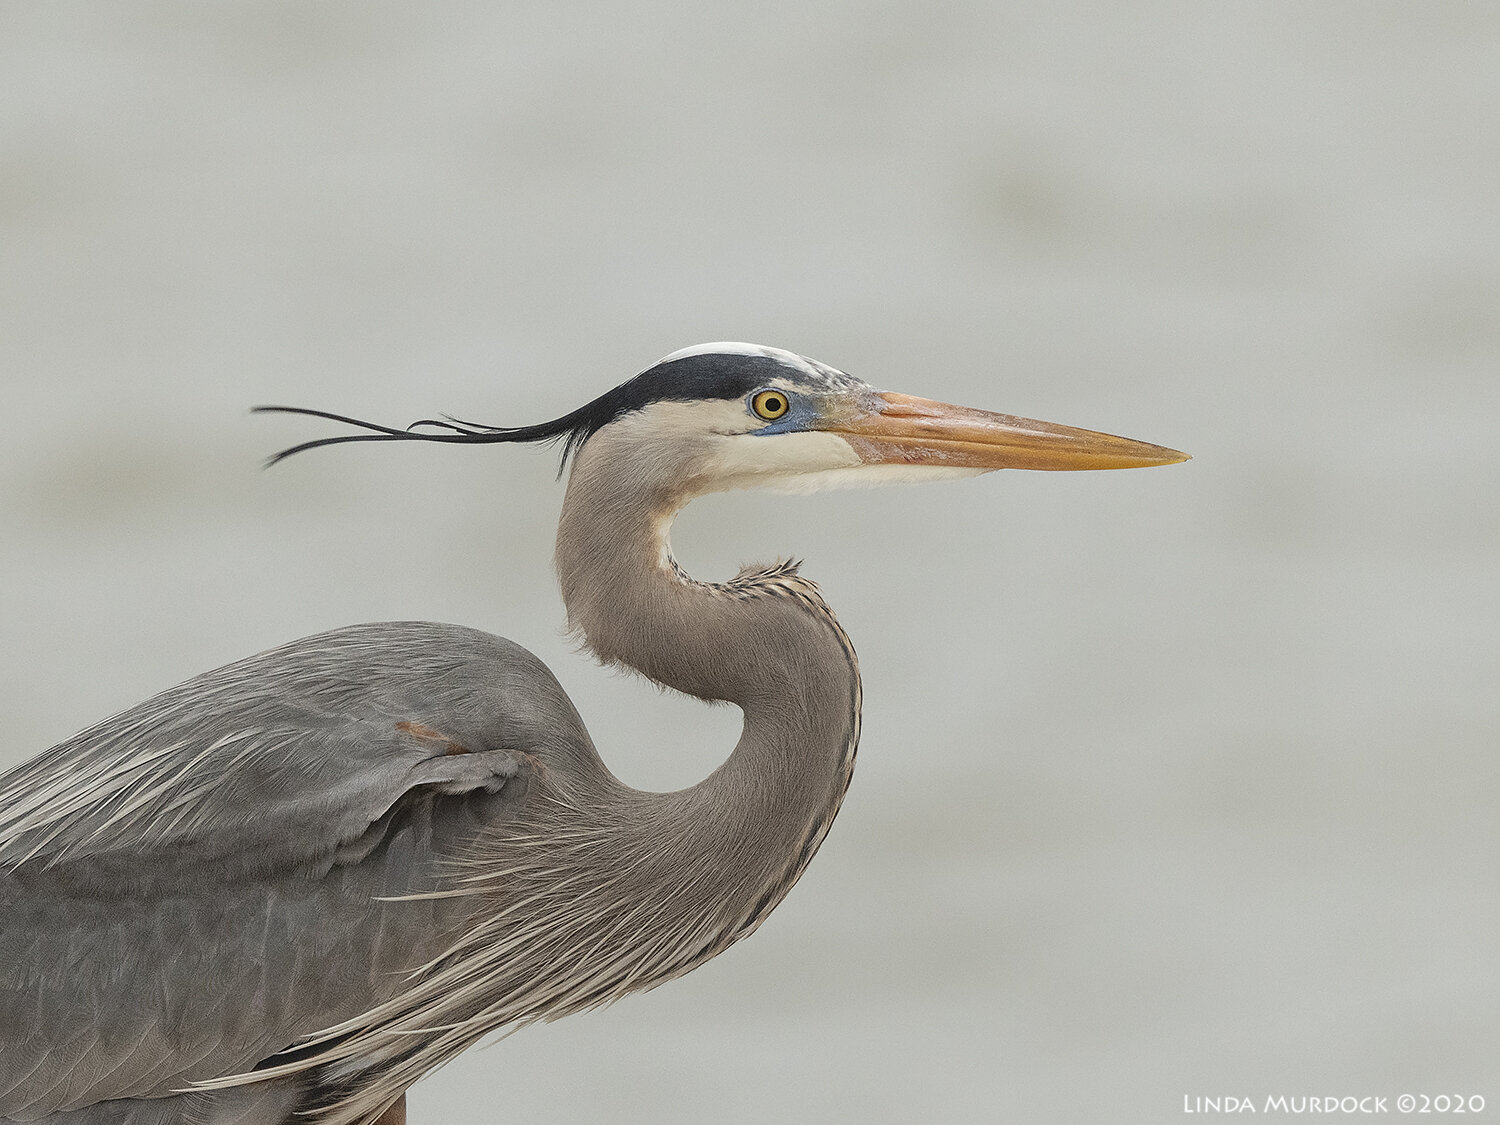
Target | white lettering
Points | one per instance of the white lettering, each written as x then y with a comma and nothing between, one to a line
1216,1103
1281,1103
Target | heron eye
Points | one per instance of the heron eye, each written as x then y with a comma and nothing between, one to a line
770,405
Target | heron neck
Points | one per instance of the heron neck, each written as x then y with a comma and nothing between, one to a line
748,642
766,642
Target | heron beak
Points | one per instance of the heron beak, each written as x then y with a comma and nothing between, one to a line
904,430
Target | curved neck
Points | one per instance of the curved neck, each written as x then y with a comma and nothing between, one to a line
766,642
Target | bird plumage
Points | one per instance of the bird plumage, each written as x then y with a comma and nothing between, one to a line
195,884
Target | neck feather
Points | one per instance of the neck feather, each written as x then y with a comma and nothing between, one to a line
766,642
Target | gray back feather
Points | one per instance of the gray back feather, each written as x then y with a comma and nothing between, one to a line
196,884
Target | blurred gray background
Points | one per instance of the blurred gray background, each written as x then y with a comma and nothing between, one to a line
1174,782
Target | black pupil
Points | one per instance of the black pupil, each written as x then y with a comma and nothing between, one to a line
773,405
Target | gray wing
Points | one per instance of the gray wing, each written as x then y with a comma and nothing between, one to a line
193,885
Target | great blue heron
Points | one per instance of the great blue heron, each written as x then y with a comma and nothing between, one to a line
298,883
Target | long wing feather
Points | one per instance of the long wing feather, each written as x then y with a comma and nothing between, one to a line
191,886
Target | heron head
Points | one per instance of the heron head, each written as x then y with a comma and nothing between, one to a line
731,415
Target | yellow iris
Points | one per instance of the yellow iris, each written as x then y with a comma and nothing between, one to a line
770,405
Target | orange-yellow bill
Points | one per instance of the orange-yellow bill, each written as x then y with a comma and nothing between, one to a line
918,431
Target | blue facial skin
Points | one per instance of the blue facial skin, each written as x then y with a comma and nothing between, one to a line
800,415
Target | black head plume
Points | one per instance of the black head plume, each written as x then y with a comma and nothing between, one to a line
570,428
